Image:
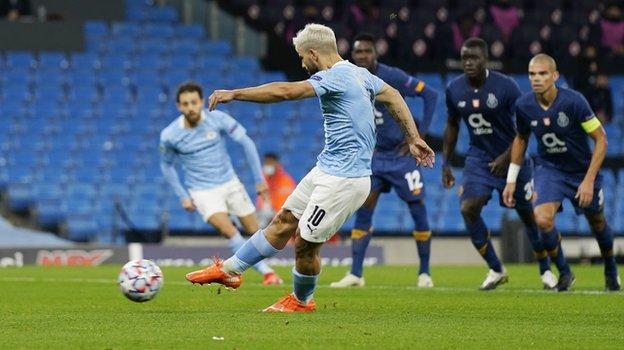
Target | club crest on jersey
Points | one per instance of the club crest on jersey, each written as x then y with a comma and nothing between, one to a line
546,121
492,102
461,104
563,120
211,134
475,103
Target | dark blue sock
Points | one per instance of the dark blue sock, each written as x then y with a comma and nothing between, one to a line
552,244
360,238
480,237
605,242
538,248
423,245
421,234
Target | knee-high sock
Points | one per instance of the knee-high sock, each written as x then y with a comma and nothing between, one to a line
303,285
360,238
480,237
254,250
538,248
237,241
605,242
421,234
552,244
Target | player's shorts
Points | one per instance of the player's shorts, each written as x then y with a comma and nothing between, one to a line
400,173
323,203
478,181
230,198
552,185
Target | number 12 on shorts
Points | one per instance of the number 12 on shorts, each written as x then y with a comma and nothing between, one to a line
413,180
317,215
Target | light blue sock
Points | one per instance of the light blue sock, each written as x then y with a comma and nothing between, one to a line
303,285
236,242
254,250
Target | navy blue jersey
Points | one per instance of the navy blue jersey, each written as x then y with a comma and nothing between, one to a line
488,112
389,134
561,141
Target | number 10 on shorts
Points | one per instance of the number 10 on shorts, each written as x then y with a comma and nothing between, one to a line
317,215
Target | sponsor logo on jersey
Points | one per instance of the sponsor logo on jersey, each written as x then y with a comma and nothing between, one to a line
553,143
479,125
492,102
563,120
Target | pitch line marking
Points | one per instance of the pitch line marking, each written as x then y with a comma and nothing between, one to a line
378,287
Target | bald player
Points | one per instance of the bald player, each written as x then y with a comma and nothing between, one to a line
565,166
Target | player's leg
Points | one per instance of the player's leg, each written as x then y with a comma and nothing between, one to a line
524,207
530,228
360,238
422,235
238,203
479,233
215,204
410,187
250,225
545,218
604,236
480,236
361,233
332,202
305,278
264,243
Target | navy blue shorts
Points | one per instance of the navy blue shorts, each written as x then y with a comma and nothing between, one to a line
553,185
400,173
478,181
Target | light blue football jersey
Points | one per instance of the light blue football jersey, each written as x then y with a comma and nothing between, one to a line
201,150
347,96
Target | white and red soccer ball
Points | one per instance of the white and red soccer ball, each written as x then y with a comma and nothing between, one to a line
140,280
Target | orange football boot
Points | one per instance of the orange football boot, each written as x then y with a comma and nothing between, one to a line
272,279
214,274
290,303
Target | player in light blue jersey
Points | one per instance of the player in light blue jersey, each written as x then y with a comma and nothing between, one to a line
331,192
196,140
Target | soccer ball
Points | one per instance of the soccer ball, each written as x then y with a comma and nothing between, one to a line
140,280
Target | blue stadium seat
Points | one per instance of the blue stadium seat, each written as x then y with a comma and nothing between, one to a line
20,196
160,30
20,59
194,32
81,227
50,212
53,59
97,28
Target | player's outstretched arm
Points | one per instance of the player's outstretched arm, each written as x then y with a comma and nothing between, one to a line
397,107
518,148
253,159
585,191
430,102
267,93
449,142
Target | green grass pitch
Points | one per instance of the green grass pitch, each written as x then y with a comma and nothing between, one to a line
66,308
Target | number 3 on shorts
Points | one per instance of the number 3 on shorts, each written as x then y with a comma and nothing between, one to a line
413,180
317,215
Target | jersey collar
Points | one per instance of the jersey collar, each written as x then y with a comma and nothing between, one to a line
202,118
